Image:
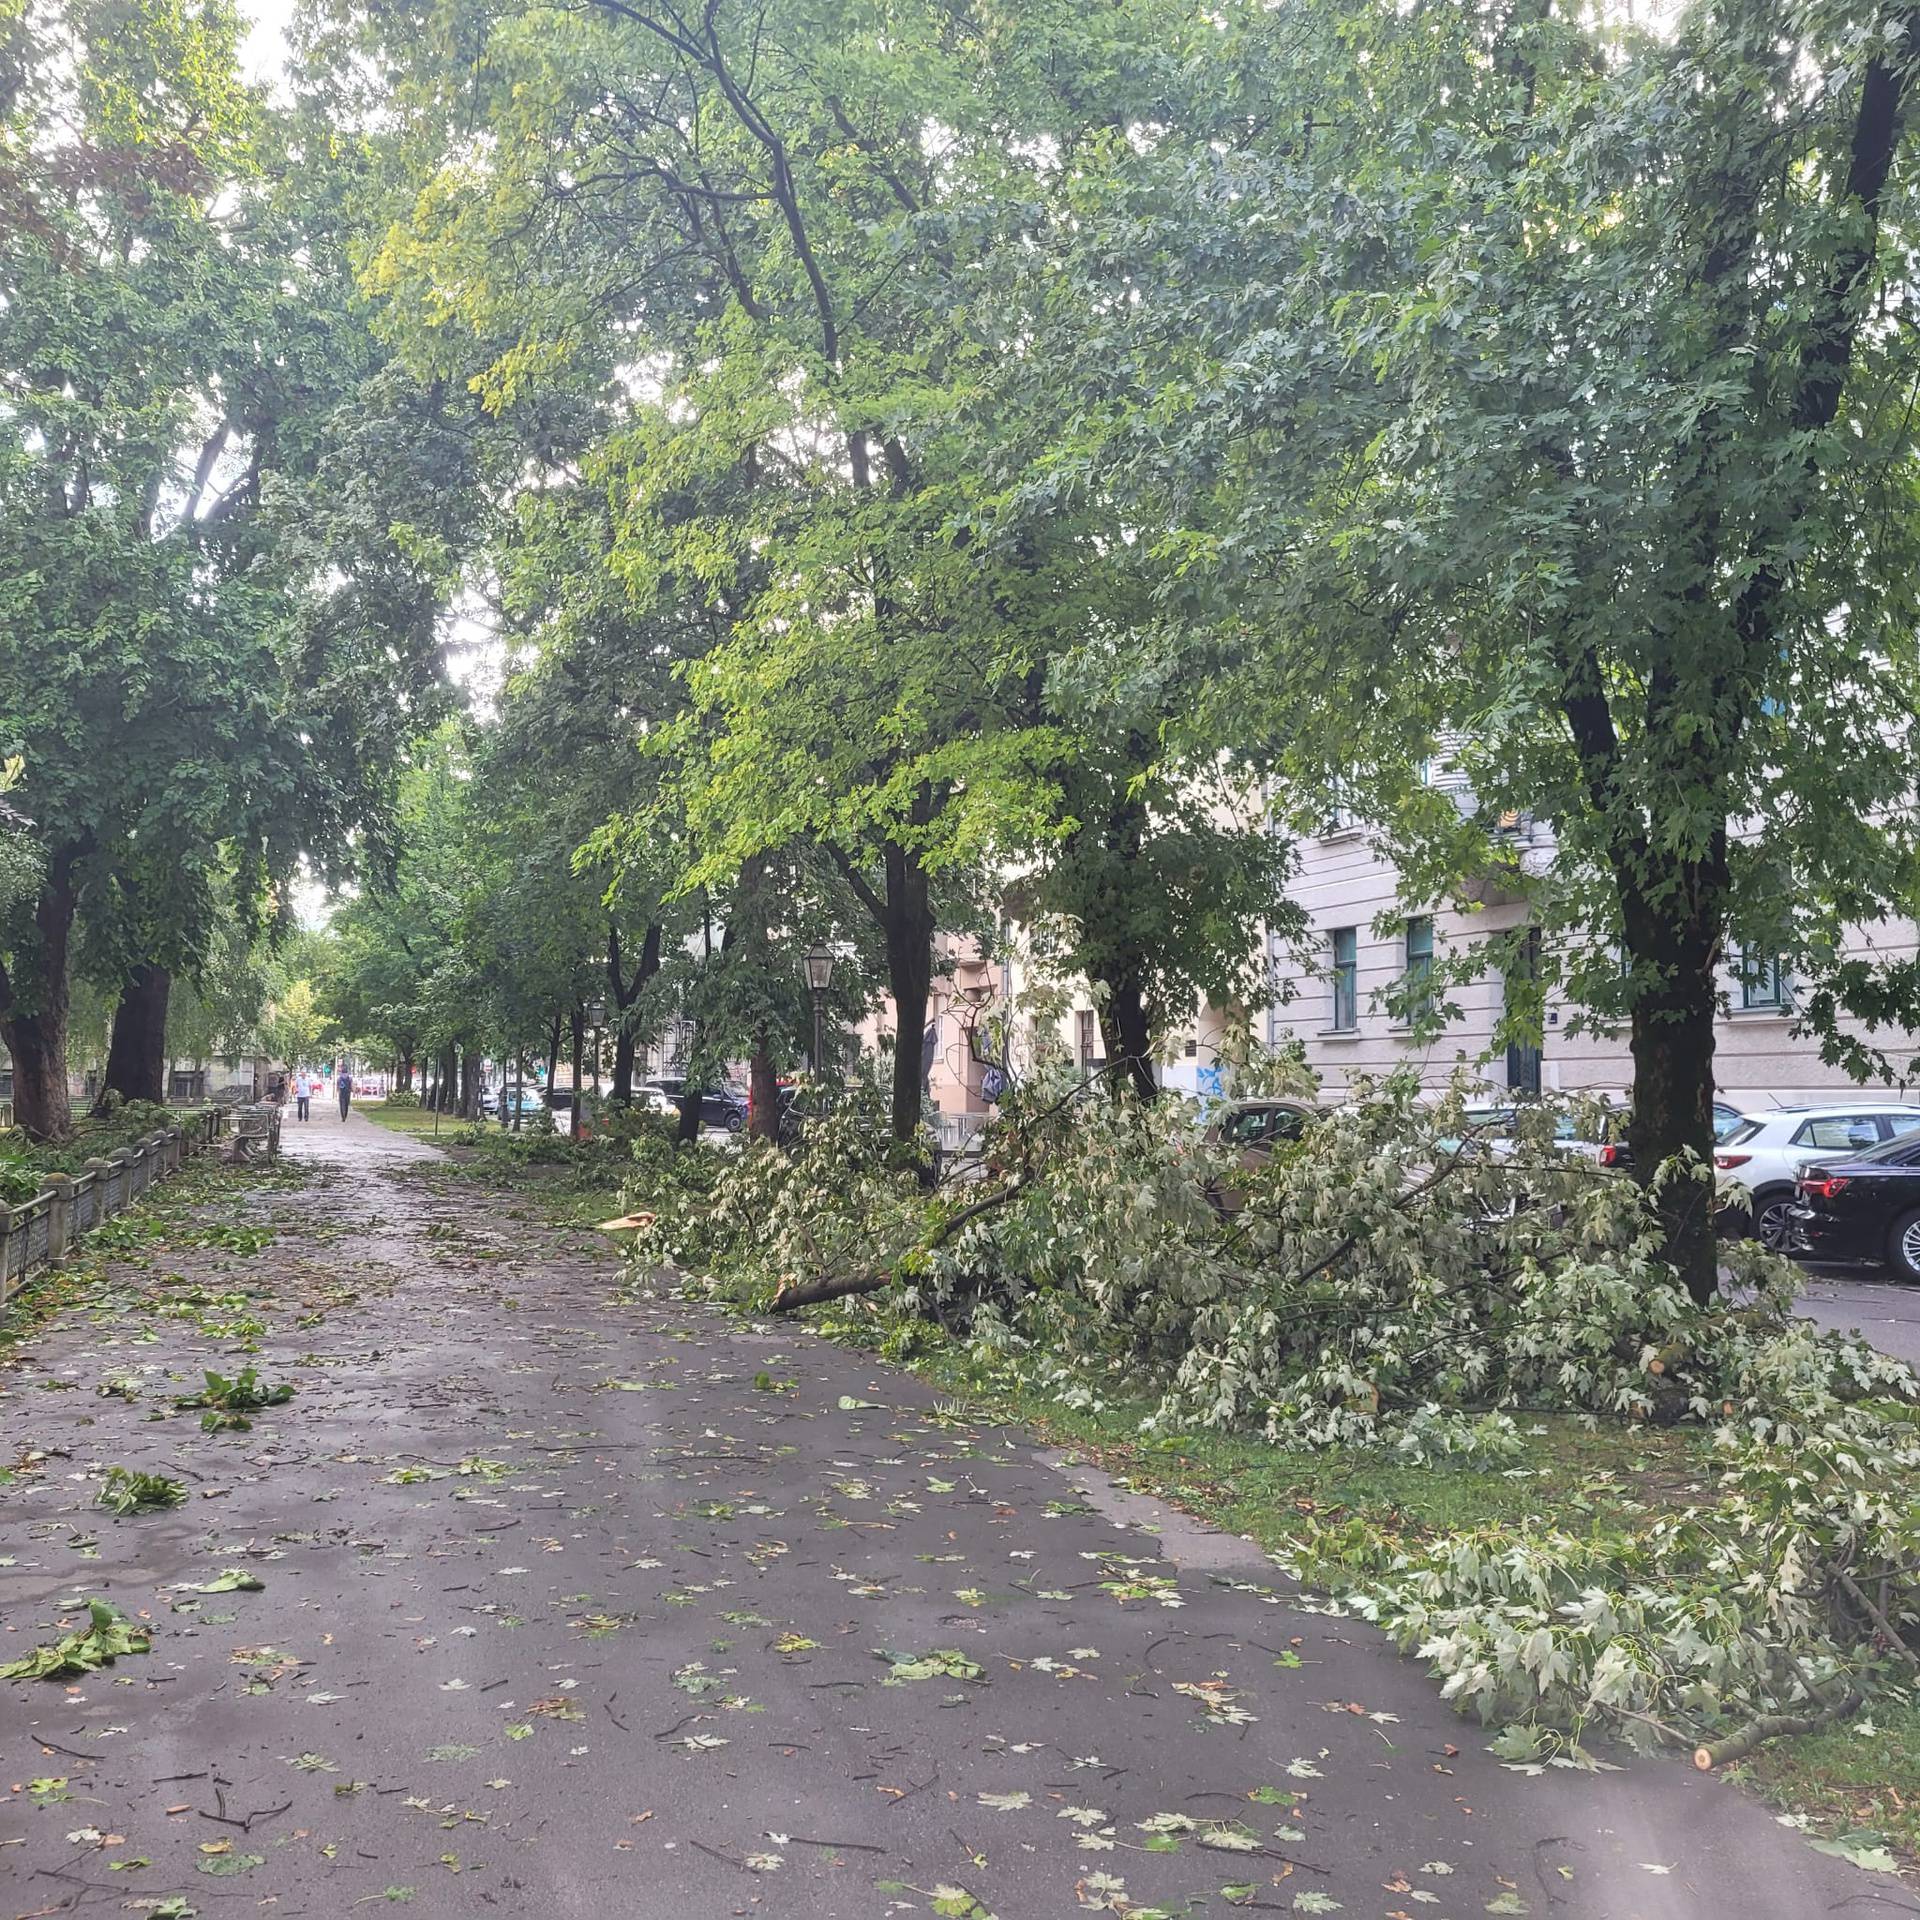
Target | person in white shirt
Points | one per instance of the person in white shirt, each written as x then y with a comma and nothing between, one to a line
302,1092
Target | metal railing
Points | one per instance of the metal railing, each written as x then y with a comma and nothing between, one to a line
39,1231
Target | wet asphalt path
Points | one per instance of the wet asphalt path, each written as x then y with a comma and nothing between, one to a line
581,1608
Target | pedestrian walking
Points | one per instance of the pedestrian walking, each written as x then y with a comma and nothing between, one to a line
344,1088
303,1094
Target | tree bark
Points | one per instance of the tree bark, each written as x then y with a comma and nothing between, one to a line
1126,1022
449,1080
1126,1026
763,1090
35,1033
625,993
1674,956
908,925
137,1052
553,1050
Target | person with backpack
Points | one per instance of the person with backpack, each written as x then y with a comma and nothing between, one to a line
343,1085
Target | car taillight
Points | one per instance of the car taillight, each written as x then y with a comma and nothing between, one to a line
1612,1156
1823,1186
1726,1162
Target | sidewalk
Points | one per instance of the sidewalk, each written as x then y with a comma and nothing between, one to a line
575,1608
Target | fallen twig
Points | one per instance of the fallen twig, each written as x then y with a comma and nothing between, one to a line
1878,1614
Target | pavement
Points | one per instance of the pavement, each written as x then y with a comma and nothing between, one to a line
580,1605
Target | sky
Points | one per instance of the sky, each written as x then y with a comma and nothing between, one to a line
264,54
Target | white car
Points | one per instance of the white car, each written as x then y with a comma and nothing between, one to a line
1765,1154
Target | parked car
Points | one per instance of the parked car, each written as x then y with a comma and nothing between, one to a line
660,1094
1614,1151
1252,1129
1491,1130
790,1114
526,1101
722,1107
1862,1206
1766,1152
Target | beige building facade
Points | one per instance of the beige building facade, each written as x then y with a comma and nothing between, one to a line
1331,990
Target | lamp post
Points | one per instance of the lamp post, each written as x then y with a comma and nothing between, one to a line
819,965
596,1011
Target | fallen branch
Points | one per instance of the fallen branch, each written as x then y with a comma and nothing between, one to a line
831,1286
1770,1726
841,1286
1880,1620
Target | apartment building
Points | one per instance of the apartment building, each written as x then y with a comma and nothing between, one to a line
1332,990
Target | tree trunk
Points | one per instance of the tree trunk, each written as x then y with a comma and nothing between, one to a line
688,1130
1674,959
1127,1030
405,1073
553,1050
573,1105
909,937
763,1090
469,1085
449,1080
137,1053
1126,1025
625,993
36,1035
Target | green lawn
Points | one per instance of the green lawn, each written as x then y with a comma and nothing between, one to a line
1578,1476
399,1119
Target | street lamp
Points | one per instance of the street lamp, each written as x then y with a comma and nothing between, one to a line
819,966
596,1019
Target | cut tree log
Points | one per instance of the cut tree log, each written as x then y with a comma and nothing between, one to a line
1769,1726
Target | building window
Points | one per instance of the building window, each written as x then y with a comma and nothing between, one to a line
1764,985
1419,973
1083,1020
1346,979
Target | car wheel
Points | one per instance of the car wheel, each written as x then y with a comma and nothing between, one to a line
735,1121
1903,1246
1772,1221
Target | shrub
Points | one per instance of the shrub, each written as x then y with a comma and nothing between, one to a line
403,1097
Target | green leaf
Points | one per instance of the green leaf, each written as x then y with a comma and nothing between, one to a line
233,1580
226,1865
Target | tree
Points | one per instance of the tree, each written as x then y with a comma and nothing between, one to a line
751,206
1537,378
177,342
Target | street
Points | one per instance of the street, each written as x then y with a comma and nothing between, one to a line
1864,1298
573,1606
